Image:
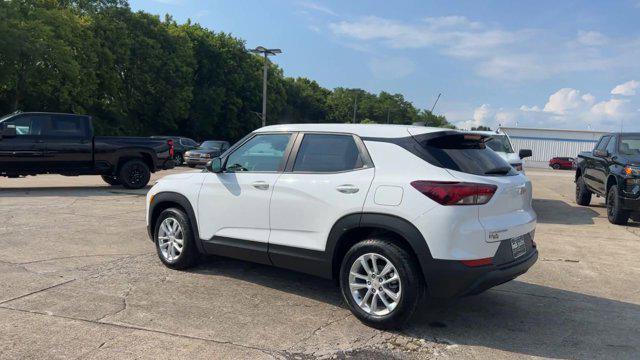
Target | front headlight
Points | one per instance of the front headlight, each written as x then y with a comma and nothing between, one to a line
206,155
187,154
631,170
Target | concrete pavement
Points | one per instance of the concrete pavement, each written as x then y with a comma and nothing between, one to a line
80,279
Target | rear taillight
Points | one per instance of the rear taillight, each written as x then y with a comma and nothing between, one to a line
456,193
170,143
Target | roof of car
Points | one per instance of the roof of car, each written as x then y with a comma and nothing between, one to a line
362,130
490,133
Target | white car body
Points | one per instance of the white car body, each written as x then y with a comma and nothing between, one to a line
294,219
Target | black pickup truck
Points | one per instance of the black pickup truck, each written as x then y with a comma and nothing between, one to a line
612,170
51,143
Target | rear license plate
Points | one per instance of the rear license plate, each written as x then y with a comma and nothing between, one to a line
518,246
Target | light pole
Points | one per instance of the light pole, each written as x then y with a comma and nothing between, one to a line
265,52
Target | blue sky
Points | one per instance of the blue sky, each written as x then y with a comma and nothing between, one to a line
554,64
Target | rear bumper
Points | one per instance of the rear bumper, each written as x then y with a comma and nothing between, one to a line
450,278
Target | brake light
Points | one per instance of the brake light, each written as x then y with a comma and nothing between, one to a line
477,262
170,143
456,193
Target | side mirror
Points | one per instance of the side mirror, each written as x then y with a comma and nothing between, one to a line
215,165
600,153
525,153
9,131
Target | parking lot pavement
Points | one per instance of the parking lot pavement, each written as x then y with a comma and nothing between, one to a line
81,279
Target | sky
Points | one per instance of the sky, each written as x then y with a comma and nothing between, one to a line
549,64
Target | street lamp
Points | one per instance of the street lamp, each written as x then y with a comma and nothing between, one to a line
265,52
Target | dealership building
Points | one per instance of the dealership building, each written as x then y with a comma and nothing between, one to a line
549,143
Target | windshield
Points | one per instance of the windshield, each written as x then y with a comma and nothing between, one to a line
211,145
630,144
500,143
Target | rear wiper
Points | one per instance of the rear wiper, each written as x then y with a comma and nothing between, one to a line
499,170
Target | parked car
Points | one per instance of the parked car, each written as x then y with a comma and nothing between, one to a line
181,145
558,163
612,170
501,144
389,211
34,143
205,152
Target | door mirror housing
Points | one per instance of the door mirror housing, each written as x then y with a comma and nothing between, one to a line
8,131
525,153
600,153
215,165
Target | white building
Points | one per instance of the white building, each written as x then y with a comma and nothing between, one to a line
549,143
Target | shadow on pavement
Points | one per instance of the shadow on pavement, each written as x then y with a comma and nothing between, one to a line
516,317
560,212
70,191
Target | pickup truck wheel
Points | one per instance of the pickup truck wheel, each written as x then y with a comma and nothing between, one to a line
111,180
381,283
556,166
174,240
615,213
134,174
583,195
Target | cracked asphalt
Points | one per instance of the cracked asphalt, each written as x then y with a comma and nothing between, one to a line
80,279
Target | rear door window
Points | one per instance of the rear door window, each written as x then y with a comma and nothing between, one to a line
328,153
67,126
466,153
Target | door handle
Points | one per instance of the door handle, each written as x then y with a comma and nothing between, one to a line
347,189
260,185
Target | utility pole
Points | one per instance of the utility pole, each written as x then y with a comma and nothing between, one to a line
388,114
355,108
265,52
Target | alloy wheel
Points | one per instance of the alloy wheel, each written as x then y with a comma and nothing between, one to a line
170,239
375,285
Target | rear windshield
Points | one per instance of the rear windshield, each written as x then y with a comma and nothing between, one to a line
500,143
466,153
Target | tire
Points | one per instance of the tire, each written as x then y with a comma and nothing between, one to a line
178,159
410,286
134,174
556,166
615,213
583,195
111,180
185,256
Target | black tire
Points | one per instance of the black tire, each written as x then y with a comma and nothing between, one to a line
189,255
583,195
615,213
556,166
134,174
111,180
178,159
412,284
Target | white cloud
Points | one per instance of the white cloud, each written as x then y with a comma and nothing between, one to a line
566,100
591,38
391,68
494,52
566,108
626,89
317,7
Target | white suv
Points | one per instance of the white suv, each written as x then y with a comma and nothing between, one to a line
389,211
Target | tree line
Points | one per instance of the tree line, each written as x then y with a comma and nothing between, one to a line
138,74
